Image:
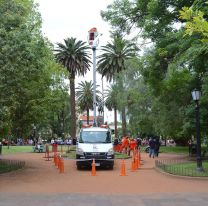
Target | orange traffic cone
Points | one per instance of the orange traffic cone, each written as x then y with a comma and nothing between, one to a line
61,169
58,162
54,158
134,152
139,158
93,168
136,162
123,169
133,165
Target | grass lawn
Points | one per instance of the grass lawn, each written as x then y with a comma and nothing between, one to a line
8,166
4,168
187,169
121,155
28,148
16,149
21,149
176,149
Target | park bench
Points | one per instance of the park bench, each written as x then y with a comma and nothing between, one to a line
40,148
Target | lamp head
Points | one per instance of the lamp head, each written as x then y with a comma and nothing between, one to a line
196,95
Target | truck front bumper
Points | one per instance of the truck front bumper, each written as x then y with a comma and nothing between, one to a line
100,160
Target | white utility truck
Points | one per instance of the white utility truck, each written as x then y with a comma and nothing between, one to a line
95,143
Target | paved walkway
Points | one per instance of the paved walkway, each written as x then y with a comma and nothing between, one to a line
41,184
174,199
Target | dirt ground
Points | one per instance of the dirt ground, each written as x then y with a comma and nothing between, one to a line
41,176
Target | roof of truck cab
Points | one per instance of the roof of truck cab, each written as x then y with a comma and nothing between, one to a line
90,129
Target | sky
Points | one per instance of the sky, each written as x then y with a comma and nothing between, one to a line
74,18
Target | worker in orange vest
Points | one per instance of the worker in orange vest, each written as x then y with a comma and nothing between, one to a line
125,144
132,146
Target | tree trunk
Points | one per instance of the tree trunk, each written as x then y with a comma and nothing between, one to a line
123,114
115,123
88,116
63,116
73,107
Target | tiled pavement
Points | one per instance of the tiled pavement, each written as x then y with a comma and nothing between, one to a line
175,199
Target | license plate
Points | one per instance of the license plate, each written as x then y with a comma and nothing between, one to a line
97,164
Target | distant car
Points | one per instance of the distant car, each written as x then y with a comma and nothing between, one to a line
171,142
145,142
59,141
68,141
5,142
162,142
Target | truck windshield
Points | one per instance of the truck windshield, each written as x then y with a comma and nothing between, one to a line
95,137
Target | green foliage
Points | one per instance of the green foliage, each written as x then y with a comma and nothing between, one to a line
155,18
196,22
111,102
115,54
111,93
113,61
84,96
158,85
28,72
74,56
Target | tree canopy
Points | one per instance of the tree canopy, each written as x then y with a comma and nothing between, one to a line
169,68
28,73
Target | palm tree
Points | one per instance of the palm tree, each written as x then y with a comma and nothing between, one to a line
113,61
84,95
111,102
114,57
74,56
100,108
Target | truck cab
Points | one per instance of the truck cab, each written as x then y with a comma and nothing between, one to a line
95,143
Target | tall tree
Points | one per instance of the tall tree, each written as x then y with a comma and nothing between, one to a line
84,95
153,18
195,17
74,56
114,55
28,71
113,61
172,60
111,103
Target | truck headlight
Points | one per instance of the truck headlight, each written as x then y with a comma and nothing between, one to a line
110,151
80,151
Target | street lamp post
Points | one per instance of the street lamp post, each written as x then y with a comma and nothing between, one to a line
196,96
103,102
94,85
93,39
34,133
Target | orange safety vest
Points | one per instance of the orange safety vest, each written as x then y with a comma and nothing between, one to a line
125,142
133,144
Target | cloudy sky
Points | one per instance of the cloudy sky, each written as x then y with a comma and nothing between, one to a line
74,18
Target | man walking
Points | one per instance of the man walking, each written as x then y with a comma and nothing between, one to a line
152,148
